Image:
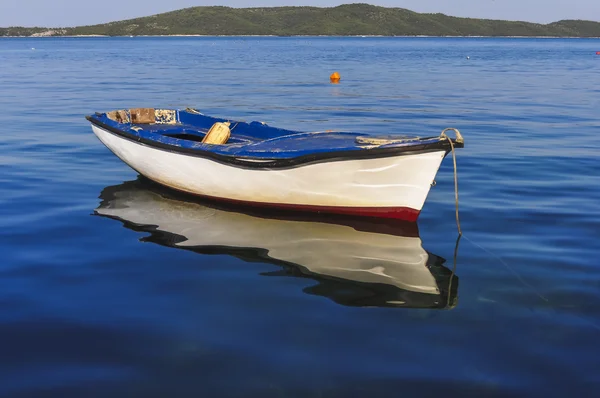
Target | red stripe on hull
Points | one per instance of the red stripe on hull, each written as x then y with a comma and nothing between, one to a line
396,213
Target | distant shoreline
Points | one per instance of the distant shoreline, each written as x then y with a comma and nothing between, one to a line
292,36
346,20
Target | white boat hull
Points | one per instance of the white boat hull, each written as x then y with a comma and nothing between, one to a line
393,187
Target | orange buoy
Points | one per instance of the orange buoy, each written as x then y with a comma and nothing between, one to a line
335,77
597,52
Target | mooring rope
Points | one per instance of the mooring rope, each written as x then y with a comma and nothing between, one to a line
459,139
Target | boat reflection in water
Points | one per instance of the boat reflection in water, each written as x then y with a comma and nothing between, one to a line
355,262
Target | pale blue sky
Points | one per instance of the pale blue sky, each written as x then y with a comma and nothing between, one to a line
55,13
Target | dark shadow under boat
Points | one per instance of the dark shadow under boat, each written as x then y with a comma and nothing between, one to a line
356,262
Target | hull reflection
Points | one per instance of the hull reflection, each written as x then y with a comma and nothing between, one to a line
356,262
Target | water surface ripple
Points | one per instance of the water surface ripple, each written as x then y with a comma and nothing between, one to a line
111,286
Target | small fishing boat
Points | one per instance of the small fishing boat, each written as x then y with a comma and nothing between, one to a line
355,261
352,173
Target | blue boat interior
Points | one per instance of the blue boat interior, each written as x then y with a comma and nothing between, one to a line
187,128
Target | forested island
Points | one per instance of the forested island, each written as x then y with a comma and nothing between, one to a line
344,20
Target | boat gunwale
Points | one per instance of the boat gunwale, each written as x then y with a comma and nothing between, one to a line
249,162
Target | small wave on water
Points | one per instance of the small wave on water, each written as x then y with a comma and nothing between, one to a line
111,285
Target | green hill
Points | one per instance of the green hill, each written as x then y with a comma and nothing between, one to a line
349,19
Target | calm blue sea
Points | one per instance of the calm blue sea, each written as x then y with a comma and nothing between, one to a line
120,305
